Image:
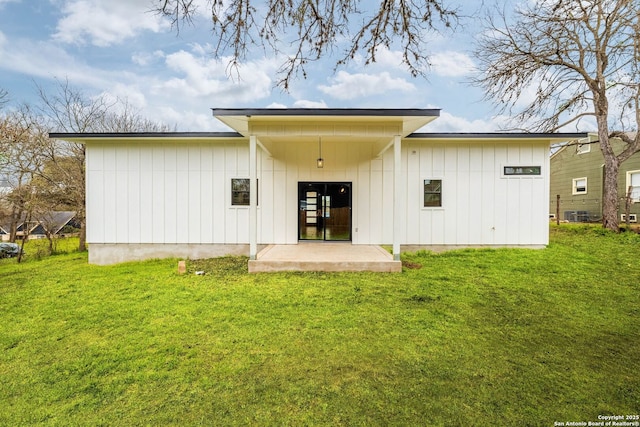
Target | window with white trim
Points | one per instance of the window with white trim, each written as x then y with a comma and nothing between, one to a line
432,193
633,181
240,191
579,186
584,146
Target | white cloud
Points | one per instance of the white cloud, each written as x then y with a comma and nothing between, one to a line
204,77
346,86
303,103
147,58
451,64
106,22
449,123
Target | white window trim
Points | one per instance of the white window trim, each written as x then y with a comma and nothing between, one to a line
628,183
584,146
573,186
432,208
632,218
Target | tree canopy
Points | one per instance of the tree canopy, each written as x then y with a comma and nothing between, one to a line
307,30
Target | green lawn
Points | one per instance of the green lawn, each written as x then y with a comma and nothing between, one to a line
471,337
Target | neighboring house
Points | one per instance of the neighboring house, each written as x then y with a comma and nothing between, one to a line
577,176
53,223
37,228
286,176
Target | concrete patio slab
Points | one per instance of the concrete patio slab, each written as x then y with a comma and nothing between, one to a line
323,256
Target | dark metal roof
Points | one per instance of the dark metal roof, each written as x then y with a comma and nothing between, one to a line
345,112
97,135
498,135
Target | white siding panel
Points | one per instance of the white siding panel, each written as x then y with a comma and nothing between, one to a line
206,203
110,218
170,203
220,204
185,205
146,201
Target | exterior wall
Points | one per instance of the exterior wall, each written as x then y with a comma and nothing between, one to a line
568,164
481,207
158,197
165,193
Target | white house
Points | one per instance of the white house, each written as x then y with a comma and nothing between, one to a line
286,176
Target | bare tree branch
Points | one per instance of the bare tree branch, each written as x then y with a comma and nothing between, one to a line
307,30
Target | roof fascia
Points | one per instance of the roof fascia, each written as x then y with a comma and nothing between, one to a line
551,137
240,119
143,136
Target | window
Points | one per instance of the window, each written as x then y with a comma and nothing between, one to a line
632,218
633,181
240,192
432,193
580,186
521,170
584,146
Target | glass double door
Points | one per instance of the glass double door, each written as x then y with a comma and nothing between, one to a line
324,211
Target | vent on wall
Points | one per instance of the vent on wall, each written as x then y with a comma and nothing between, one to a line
632,218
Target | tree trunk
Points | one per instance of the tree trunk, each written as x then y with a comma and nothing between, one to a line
82,245
610,201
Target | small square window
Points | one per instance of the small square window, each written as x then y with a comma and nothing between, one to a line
432,193
584,146
240,192
580,186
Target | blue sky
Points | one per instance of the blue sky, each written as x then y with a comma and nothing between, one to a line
120,49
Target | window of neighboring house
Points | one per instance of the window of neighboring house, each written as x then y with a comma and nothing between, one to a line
583,146
240,191
580,186
432,193
633,181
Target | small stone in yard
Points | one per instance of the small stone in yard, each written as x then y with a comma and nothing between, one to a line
182,267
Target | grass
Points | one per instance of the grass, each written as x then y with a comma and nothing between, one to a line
469,337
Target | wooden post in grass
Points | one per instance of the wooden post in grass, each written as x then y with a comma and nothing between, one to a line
557,209
182,267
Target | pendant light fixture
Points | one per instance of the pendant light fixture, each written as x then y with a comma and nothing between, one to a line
320,161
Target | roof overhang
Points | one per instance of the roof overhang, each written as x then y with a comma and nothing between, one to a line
549,137
144,136
243,119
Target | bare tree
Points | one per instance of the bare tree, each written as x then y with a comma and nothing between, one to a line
576,59
312,29
70,110
20,160
4,97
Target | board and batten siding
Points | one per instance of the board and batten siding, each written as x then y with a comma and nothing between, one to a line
180,192
480,206
165,193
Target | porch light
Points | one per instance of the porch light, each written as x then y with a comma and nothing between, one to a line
320,161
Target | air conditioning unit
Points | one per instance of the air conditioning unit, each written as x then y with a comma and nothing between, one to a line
632,218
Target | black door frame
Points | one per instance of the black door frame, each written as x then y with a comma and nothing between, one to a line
321,188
